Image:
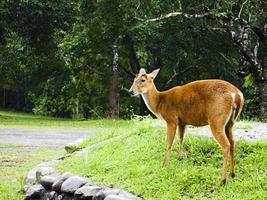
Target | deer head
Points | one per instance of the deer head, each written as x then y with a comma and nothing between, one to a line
143,82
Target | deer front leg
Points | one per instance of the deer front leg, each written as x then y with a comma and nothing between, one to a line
171,130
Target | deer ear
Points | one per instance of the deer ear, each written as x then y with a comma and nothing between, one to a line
142,71
155,73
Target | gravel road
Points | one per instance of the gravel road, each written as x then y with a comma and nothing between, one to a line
34,137
57,138
250,131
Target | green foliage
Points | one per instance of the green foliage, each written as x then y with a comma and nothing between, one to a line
55,56
134,163
252,99
249,81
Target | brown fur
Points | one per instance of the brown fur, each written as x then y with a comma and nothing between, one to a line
214,102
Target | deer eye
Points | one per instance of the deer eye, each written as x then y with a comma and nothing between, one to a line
143,80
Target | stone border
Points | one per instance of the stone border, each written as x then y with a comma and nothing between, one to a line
45,183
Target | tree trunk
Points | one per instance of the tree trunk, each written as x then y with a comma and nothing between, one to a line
77,109
263,103
263,85
134,63
4,98
113,92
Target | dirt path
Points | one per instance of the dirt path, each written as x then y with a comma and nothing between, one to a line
33,137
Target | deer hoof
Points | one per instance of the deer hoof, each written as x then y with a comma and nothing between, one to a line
233,175
223,182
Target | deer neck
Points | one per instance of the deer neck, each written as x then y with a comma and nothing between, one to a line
151,99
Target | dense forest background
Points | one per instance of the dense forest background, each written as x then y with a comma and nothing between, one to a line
76,59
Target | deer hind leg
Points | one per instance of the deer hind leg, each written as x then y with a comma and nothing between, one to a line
230,136
218,131
181,139
171,130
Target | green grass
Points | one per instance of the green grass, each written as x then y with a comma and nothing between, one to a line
15,119
11,145
15,165
245,127
134,163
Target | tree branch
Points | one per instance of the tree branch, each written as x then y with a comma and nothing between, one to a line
175,73
201,29
174,14
240,11
258,31
125,71
247,53
227,23
256,48
209,15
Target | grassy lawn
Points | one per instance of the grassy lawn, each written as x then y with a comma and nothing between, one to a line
134,163
15,119
15,163
14,166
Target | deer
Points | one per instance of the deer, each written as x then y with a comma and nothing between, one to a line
212,102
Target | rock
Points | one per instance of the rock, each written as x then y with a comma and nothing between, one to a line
111,192
43,171
72,184
59,180
128,195
52,196
119,192
115,192
68,197
37,172
86,192
30,179
99,196
74,146
47,182
35,175
115,197
34,192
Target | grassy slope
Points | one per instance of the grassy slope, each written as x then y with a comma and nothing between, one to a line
135,163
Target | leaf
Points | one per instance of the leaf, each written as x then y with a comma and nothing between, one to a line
249,81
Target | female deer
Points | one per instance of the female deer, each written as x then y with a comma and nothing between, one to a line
214,102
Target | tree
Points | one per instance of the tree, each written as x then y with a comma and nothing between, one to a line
78,58
113,93
27,47
245,23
